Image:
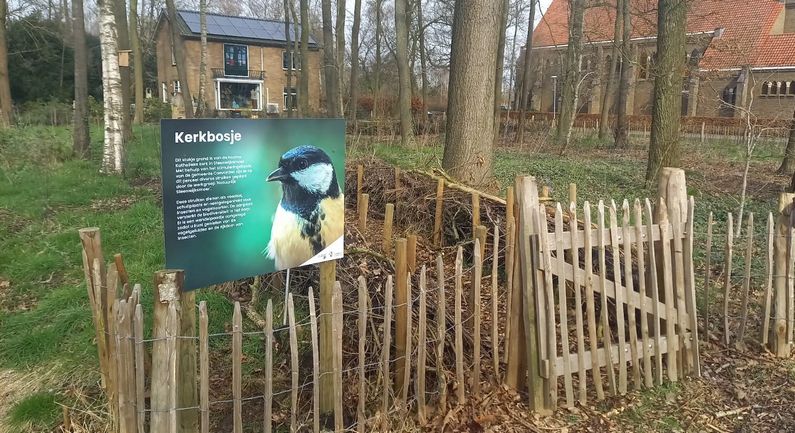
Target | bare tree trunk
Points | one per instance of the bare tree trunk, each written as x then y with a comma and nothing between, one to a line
423,62
526,86
138,65
571,75
404,74
468,151
303,81
113,146
340,38
179,56
6,107
330,66
667,106
500,69
353,103
512,87
288,104
788,163
80,137
622,127
379,34
610,83
201,106
296,54
123,38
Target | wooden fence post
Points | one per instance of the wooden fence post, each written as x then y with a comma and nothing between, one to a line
165,330
328,276
411,253
475,213
389,216
362,304
782,273
364,204
95,283
438,211
401,312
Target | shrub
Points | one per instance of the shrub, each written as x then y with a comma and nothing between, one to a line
155,109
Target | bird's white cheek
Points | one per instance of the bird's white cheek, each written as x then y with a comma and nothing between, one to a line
315,178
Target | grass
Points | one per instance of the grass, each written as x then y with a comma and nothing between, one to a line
46,196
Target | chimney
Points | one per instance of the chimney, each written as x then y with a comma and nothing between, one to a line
789,16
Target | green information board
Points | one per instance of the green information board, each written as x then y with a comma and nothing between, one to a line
246,197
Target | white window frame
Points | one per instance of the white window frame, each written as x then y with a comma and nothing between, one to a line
177,86
293,54
164,91
284,99
248,60
218,82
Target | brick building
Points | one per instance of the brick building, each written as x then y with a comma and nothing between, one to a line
246,63
740,56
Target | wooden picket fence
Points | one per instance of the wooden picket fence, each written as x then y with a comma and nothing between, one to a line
587,307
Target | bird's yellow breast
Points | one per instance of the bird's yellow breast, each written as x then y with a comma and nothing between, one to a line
289,248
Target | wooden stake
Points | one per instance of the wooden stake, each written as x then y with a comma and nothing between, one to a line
411,253
549,292
644,318
480,234
409,352
360,419
573,194
165,329
328,276
749,251
690,287
655,290
401,312
590,302
708,276
315,364
237,376
606,334
670,311
629,286
622,354
679,281
577,285
475,212
364,205
728,282
140,378
421,354
459,331
563,308
204,368
359,182
389,215
437,219
95,274
769,284
441,332
477,278
293,363
495,342
781,274
337,341
386,345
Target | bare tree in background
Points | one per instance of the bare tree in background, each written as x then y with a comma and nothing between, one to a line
354,83
423,61
664,148
138,63
404,73
379,34
201,100
330,67
571,72
610,83
288,101
6,107
80,136
179,57
123,39
500,70
622,122
113,146
788,163
468,149
526,86
340,39
303,79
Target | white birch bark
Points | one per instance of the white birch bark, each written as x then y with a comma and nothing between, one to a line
113,146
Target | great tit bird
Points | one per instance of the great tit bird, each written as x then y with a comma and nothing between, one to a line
310,215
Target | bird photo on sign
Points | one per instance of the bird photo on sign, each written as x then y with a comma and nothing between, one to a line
245,197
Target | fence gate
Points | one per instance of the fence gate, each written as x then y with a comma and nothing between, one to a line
613,303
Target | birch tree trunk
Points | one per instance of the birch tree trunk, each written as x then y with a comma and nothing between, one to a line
353,103
526,86
404,73
664,148
80,137
303,81
468,152
6,106
622,127
610,83
113,144
571,75
138,65
330,66
201,106
179,57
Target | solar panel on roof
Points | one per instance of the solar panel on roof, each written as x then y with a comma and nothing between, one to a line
220,25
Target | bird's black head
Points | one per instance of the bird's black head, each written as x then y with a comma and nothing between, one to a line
307,176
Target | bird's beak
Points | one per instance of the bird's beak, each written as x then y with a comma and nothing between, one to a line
277,174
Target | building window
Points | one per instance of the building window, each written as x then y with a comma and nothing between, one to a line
286,60
236,95
791,91
729,95
766,87
173,57
164,91
236,60
176,87
290,95
643,74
